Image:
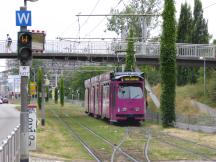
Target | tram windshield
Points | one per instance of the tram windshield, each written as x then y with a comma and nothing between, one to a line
130,91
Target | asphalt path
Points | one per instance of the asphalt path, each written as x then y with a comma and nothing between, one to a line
9,119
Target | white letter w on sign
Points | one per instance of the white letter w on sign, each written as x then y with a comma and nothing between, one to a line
23,18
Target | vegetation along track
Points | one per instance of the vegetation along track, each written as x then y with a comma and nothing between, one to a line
100,152
189,148
75,135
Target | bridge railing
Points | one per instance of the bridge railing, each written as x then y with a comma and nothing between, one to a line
10,148
113,47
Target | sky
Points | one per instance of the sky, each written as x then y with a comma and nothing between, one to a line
58,17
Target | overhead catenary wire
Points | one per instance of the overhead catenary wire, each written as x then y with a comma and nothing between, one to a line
90,13
106,15
209,6
98,24
69,26
80,26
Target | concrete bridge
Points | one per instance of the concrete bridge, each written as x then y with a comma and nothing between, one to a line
107,51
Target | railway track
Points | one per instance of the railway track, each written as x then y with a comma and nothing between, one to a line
198,151
76,136
135,145
117,153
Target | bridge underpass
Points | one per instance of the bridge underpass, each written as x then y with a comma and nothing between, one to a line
109,52
106,58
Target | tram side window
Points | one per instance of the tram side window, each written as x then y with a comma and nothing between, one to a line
113,96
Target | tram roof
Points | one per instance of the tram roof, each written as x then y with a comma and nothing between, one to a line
118,75
113,76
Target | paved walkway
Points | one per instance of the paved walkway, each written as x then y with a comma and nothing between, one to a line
204,108
35,157
151,94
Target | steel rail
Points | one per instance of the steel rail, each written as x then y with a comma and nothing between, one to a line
118,146
105,140
74,134
202,145
146,147
204,157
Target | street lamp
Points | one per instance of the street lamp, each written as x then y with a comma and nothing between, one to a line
25,2
204,73
77,91
72,94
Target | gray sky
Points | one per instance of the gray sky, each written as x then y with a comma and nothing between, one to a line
57,17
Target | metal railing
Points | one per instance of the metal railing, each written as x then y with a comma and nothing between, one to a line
108,47
10,147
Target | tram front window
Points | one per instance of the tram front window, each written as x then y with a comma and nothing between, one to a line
130,91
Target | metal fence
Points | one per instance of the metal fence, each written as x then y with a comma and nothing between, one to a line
202,120
152,116
10,147
204,123
114,47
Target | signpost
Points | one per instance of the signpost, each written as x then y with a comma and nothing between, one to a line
24,71
32,88
32,119
23,18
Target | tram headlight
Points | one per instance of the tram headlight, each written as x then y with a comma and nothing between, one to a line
137,109
124,109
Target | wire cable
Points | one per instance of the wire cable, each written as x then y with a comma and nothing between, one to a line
209,6
90,13
98,24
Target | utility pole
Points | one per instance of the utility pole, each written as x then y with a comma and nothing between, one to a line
24,152
24,48
144,30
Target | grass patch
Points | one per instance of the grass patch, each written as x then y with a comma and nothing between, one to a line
55,140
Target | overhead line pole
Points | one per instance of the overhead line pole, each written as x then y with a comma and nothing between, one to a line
120,15
24,152
25,56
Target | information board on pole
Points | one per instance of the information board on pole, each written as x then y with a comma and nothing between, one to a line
24,71
33,88
32,126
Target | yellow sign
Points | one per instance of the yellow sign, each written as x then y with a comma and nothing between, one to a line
33,88
131,78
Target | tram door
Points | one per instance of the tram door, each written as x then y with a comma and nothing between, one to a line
112,99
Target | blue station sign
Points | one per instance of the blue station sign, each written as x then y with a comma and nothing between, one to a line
23,18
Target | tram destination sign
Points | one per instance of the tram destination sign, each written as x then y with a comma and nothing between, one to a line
131,78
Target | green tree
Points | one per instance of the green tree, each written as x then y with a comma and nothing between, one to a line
36,63
62,94
75,80
56,95
130,58
200,33
185,23
152,74
184,32
39,86
168,64
121,24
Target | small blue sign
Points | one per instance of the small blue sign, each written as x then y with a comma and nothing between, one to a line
23,18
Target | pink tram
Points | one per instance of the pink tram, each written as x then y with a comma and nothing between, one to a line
116,96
